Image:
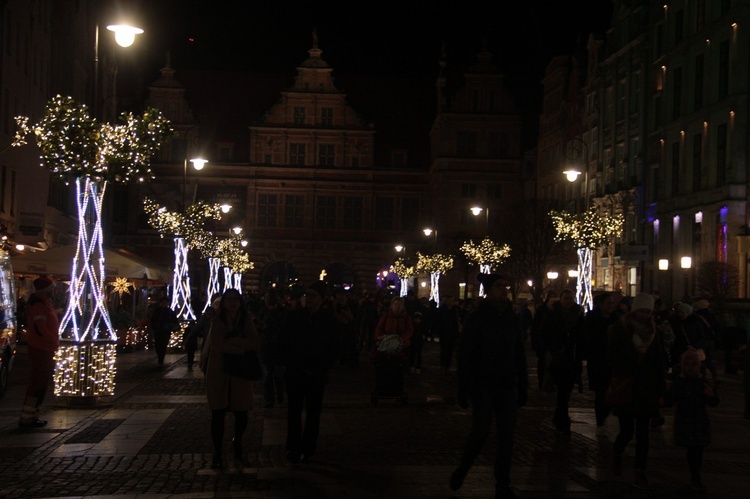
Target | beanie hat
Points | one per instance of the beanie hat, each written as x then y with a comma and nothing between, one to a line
685,308
643,301
319,287
488,280
41,283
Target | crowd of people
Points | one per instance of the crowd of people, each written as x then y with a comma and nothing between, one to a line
635,354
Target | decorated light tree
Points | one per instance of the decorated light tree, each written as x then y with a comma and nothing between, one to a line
188,231
487,254
404,273
435,265
78,149
588,231
235,262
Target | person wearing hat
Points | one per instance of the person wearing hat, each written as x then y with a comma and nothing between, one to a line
309,348
692,331
43,340
492,379
636,354
200,330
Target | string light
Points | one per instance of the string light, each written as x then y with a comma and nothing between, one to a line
404,273
436,265
121,286
486,253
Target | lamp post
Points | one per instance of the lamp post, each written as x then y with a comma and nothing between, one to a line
578,149
124,36
476,210
429,231
198,164
686,263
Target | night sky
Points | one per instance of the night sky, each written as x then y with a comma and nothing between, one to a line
381,39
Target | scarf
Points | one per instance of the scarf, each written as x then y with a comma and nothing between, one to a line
643,335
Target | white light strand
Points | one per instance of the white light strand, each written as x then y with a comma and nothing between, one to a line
227,279
483,269
181,282
87,312
584,296
213,287
434,290
404,286
237,282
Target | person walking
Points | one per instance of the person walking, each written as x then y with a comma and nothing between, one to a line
395,322
163,322
692,428
448,326
636,353
232,332
309,346
562,334
597,324
417,343
270,322
43,340
537,343
492,379
200,330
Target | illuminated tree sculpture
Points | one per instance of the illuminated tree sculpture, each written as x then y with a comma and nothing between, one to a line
487,254
188,231
435,265
588,231
76,148
404,273
235,262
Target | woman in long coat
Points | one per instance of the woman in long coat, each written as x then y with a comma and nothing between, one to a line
232,331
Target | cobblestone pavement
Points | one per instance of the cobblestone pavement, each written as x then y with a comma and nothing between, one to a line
154,441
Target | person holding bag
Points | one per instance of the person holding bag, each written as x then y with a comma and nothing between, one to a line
232,331
636,354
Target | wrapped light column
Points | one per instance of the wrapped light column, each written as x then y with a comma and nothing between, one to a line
213,286
487,254
435,265
404,273
181,282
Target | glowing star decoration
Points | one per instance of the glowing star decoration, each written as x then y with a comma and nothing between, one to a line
121,286
435,265
404,273
588,231
77,148
189,232
486,254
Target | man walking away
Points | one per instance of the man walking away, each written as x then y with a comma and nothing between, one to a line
492,378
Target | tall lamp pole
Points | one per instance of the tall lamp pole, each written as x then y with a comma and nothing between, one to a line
198,164
476,210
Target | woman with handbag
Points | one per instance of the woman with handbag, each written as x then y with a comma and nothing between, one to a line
232,333
638,381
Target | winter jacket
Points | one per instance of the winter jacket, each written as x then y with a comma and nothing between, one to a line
309,345
400,325
224,390
594,348
491,356
691,423
42,323
648,369
270,322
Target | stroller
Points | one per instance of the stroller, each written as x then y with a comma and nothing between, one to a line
389,370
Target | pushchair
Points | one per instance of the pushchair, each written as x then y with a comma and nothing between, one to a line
389,370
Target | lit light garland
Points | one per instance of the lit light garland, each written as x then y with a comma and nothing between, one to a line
213,288
588,231
77,148
188,227
487,254
435,265
404,273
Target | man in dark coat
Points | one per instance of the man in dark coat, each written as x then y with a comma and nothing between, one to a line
309,348
163,322
492,378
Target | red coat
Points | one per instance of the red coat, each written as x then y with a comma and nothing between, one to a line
43,324
391,323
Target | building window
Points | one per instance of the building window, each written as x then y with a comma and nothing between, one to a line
384,213
466,144
494,191
326,154
267,210
410,214
299,115
297,154
498,145
721,155
224,152
621,97
469,191
675,168
723,69
679,26
354,161
697,161
293,210
698,99
325,213
676,93
13,192
326,116
267,158
352,213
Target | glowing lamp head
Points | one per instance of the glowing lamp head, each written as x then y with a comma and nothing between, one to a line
243,243
427,231
686,262
124,34
663,264
225,208
398,248
237,230
552,275
571,175
476,210
198,163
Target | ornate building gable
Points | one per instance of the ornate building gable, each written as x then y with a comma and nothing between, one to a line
168,95
312,124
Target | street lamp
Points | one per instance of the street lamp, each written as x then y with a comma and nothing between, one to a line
686,263
399,248
198,164
578,149
428,231
124,36
476,210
